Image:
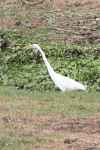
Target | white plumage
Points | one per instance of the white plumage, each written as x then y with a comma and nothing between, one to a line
64,83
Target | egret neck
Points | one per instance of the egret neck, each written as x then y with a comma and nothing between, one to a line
46,61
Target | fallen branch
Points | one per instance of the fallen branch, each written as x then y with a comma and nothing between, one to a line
83,27
33,3
90,37
95,144
70,31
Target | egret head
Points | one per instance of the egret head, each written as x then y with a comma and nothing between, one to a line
34,46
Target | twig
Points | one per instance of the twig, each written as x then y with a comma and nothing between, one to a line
83,27
89,37
97,143
70,31
33,3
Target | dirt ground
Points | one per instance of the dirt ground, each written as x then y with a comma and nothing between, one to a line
74,21
60,133
73,133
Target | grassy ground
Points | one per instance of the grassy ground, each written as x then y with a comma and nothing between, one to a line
50,120
40,120
77,103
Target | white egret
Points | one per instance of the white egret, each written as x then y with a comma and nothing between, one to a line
64,83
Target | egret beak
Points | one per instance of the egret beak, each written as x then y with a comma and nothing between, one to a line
28,46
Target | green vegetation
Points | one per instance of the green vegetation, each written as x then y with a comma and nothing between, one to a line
20,111
25,68
27,103
34,113
6,143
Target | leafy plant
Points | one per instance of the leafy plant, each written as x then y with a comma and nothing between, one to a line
26,69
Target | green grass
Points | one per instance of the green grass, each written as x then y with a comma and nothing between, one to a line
20,108
8,144
26,114
77,103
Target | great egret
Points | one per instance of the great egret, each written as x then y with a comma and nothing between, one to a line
64,83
